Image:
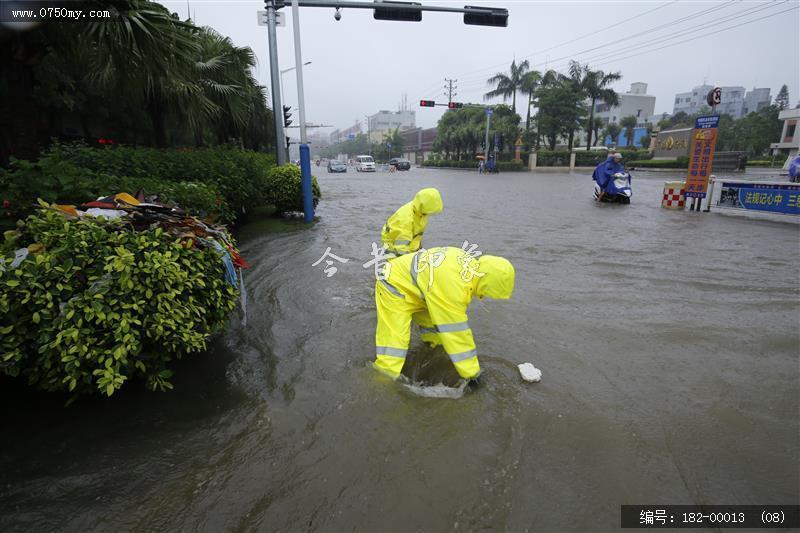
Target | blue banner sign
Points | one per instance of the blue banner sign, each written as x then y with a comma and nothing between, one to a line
770,197
711,121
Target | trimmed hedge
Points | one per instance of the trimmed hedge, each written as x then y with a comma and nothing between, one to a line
765,163
682,162
510,166
285,190
223,180
96,304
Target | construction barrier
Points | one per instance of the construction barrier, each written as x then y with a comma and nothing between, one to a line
674,192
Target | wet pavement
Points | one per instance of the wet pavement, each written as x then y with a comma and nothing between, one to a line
668,341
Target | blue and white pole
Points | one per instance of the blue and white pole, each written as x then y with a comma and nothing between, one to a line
305,151
305,182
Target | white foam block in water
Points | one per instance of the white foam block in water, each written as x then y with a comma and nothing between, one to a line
530,372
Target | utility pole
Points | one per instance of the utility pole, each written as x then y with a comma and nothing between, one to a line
275,82
369,136
450,90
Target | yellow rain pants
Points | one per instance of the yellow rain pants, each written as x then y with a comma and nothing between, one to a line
434,288
402,233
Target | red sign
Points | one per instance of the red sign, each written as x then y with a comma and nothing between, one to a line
701,159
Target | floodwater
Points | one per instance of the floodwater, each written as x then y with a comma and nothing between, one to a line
668,343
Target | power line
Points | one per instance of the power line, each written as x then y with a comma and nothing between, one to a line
532,54
608,54
648,43
700,13
720,30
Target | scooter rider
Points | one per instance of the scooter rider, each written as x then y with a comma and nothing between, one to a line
604,172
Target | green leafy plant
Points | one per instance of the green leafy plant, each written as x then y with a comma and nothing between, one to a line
96,304
284,189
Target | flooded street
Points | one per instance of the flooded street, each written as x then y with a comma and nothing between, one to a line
669,344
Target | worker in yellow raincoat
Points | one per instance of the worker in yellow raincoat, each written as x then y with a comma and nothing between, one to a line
433,288
402,233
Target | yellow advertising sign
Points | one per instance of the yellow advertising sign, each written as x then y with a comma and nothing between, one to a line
701,156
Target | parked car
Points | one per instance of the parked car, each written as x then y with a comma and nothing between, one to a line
334,165
400,164
365,163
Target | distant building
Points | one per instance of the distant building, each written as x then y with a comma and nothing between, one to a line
338,136
383,121
736,101
636,102
418,144
790,137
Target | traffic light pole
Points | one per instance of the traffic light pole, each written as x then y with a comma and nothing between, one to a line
275,82
486,146
305,151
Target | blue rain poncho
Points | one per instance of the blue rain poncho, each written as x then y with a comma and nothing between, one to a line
604,171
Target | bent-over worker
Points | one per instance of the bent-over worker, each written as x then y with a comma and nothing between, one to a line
402,233
434,289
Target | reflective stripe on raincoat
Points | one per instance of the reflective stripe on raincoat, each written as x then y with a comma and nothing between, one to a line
402,233
434,288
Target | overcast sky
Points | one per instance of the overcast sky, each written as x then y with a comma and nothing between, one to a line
361,65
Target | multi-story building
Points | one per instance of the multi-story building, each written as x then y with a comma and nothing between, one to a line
636,102
338,136
383,121
735,101
418,144
790,137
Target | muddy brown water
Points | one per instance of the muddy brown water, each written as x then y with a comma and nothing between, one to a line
668,343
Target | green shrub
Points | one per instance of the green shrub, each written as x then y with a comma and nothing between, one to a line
548,158
506,166
284,189
73,173
100,305
765,163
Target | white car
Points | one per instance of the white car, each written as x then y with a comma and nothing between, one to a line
365,163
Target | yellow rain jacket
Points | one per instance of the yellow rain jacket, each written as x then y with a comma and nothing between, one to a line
434,288
402,233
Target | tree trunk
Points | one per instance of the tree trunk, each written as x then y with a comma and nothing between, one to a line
156,113
19,115
514,102
528,119
589,128
571,138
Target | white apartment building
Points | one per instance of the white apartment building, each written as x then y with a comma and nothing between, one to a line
636,102
736,101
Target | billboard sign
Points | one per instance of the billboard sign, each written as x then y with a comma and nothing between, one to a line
701,155
783,198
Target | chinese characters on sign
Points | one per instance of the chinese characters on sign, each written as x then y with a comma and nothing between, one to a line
427,261
701,156
771,197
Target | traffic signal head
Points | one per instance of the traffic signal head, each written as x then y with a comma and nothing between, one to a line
486,16
286,116
427,103
455,105
396,12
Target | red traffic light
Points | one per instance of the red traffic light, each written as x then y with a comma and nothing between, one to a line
455,105
427,103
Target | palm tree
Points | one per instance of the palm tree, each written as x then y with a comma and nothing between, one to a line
507,85
530,82
628,123
595,86
612,130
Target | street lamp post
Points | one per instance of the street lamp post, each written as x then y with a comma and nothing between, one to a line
369,135
384,10
284,71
